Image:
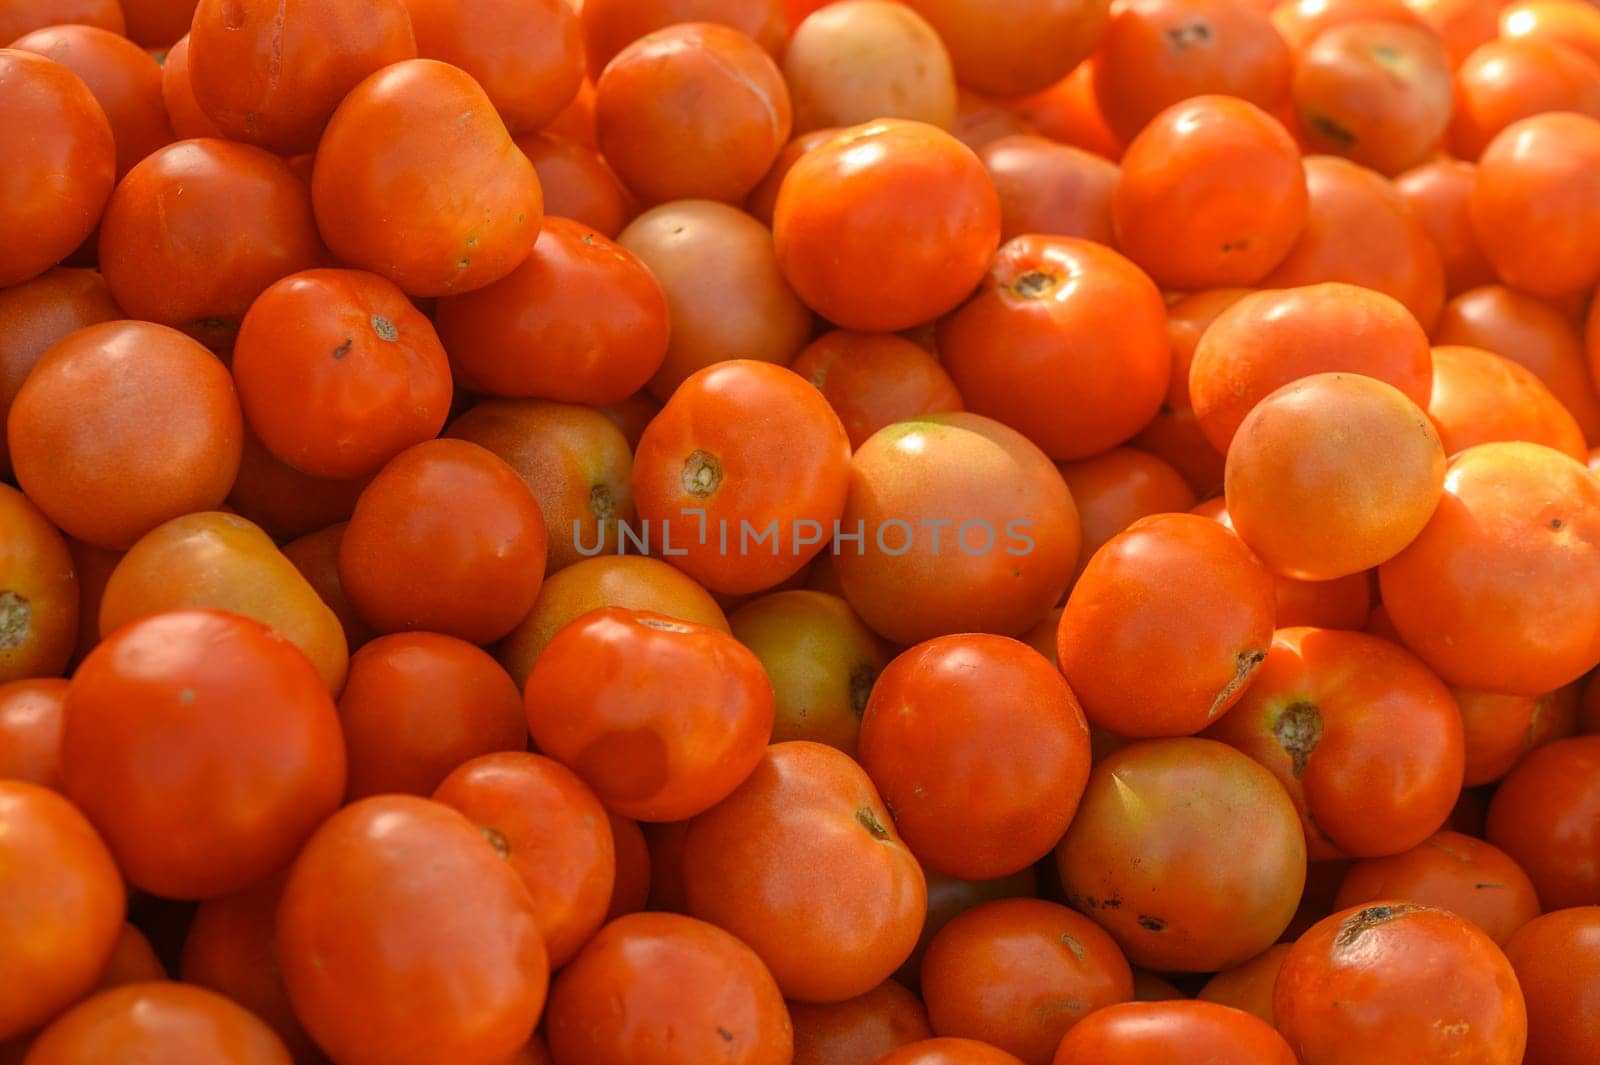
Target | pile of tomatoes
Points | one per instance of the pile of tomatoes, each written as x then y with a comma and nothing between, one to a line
776,532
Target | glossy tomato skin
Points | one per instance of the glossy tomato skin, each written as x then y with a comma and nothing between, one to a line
1517,532
1048,305
1557,961
446,538
338,372
1211,194
576,182
609,26
950,720
872,380
695,110
552,830
663,989
30,731
1544,815
157,1021
231,948
803,863
1367,981
1480,397
1466,876
527,56
395,960
38,592
272,73
62,908
206,749
214,560
1187,852
1174,588
886,226
24,17
1151,1033
662,718
199,229
863,1028
177,92
123,77
1018,50
1020,974
419,704
947,1050
964,525
1438,192
742,450
285,502
581,320
35,315
1326,714
54,191
385,174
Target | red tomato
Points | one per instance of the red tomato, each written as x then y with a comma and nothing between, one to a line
1156,1033
395,960
860,1029
1546,816
30,731
161,1021
1557,961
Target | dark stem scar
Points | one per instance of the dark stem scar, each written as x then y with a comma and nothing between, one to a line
496,839
1358,924
16,620
1152,924
1298,731
869,821
384,328
702,473
601,503
344,348
1190,33
862,678
1330,128
1033,284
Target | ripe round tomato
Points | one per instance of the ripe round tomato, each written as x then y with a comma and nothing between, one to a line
1438,193
822,661
872,380
1535,205
1365,739
285,502
742,476
862,1029
1505,81
609,26
271,73
338,372
528,56
1393,979
1189,853
552,830
630,581
27,15
949,1051
37,314
1019,974
214,560
576,461
1212,193
662,718
188,118
1173,588
1047,187
1360,231
577,183
1076,314
56,188
668,990
725,293
1269,339
1480,398
316,556
1303,21
1018,49
204,747
1248,985
980,752
1453,872
395,959
417,705
696,110
1116,488
1499,730
38,592
803,863
389,167
1331,475
1156,53
157,1021
1516,534
868,60
1153,1033
62,908
963,525
199,229
581,320
1546,816
1377,93
1557,961
886,226
125,81
30,731
447,538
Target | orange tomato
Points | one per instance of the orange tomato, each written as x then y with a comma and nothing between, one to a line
1546,816
861,1029
162,1021
872,380
1116,488
1017,49
30,731
577,183
38,592
1151,1033
1438,193
1557,961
